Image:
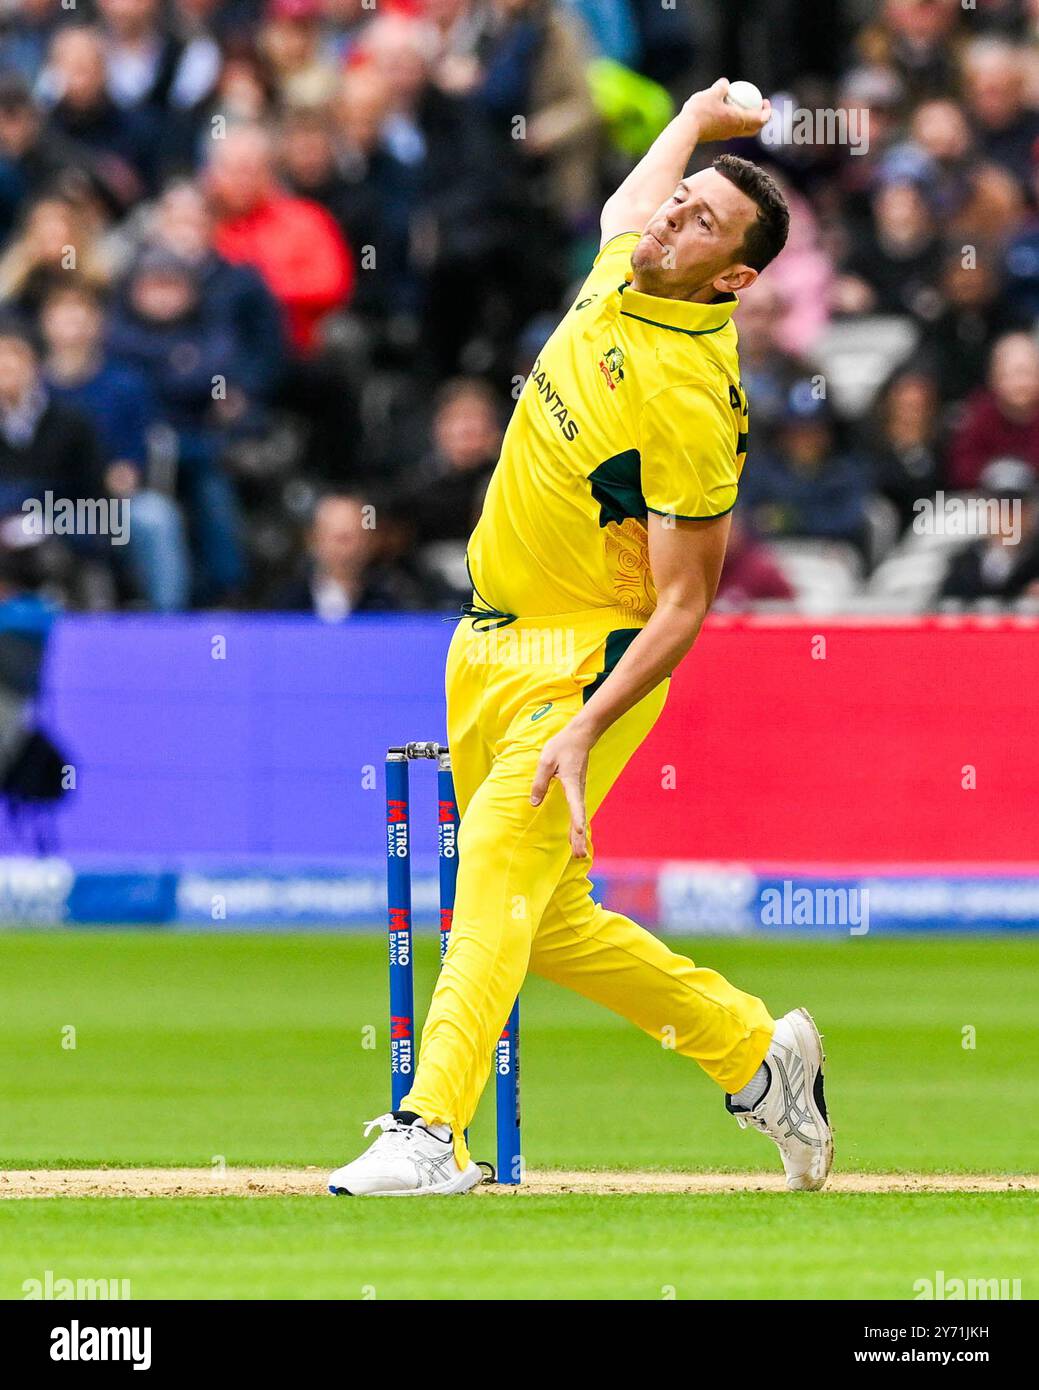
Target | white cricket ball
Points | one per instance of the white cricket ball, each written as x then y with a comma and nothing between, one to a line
744,95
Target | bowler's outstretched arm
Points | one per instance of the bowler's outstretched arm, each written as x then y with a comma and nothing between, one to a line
686,560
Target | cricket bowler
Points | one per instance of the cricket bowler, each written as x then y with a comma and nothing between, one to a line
594,563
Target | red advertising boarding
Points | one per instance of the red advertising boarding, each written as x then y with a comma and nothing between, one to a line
800,741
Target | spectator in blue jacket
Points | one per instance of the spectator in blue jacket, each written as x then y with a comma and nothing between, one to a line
161,328
119,401
234,301
806,486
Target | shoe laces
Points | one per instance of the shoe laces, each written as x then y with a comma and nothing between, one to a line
751,1118
394,1135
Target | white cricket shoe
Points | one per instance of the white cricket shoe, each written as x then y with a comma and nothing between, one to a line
409,1159
792,1112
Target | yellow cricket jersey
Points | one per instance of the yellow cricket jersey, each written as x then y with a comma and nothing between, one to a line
634,406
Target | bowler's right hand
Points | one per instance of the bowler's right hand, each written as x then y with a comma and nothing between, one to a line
718,119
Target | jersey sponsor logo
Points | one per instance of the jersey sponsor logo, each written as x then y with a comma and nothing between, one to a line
584,303
611,364
568,426
542,711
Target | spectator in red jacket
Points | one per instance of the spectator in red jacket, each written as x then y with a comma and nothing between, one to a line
293,243
1002,420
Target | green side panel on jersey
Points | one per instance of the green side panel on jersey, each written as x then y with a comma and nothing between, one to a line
617,487
617,643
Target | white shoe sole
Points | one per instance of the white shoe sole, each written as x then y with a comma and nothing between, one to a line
463,1182
810,1046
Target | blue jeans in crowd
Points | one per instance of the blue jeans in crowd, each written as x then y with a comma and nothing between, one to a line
214,517
157,553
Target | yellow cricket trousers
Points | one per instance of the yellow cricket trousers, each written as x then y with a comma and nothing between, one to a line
523,902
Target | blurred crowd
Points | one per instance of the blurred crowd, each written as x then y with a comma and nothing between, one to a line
273,271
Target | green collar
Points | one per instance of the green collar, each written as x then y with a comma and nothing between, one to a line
680,315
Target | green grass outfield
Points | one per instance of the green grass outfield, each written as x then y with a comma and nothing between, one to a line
272,1050
644,1247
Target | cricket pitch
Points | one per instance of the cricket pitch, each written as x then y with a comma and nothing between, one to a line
309,1182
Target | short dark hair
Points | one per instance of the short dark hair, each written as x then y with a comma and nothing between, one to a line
72,287
766,236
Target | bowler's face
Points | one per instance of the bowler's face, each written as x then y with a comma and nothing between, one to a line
694,237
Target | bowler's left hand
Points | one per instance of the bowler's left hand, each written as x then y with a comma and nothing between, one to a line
565,757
